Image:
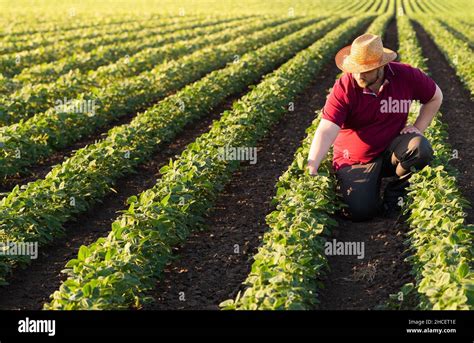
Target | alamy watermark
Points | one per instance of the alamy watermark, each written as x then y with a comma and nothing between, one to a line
229,153
28,325
391,105
75,106
19,249
335,248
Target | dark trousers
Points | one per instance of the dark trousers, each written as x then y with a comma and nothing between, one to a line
359,184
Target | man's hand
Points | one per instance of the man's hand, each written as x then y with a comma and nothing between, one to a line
410,129
312,169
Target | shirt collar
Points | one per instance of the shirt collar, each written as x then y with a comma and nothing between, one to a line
370,92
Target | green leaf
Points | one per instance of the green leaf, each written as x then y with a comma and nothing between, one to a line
300,161
72,263
83,253
280,191
132,199
165,200
463,270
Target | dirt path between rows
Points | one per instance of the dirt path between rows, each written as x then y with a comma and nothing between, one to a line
364,283
212,264
31,287
457,113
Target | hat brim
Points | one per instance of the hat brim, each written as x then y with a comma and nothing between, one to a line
344,62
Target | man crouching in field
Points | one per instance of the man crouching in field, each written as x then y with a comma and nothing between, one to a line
365,116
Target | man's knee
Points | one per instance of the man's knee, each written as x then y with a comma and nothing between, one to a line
420,152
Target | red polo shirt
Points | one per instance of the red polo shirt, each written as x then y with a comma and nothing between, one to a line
369,121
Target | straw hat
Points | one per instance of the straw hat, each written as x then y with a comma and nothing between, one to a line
366,53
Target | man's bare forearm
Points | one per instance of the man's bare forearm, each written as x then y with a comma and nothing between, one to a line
428,111
324,137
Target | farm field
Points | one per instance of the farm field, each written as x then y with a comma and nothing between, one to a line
153,157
